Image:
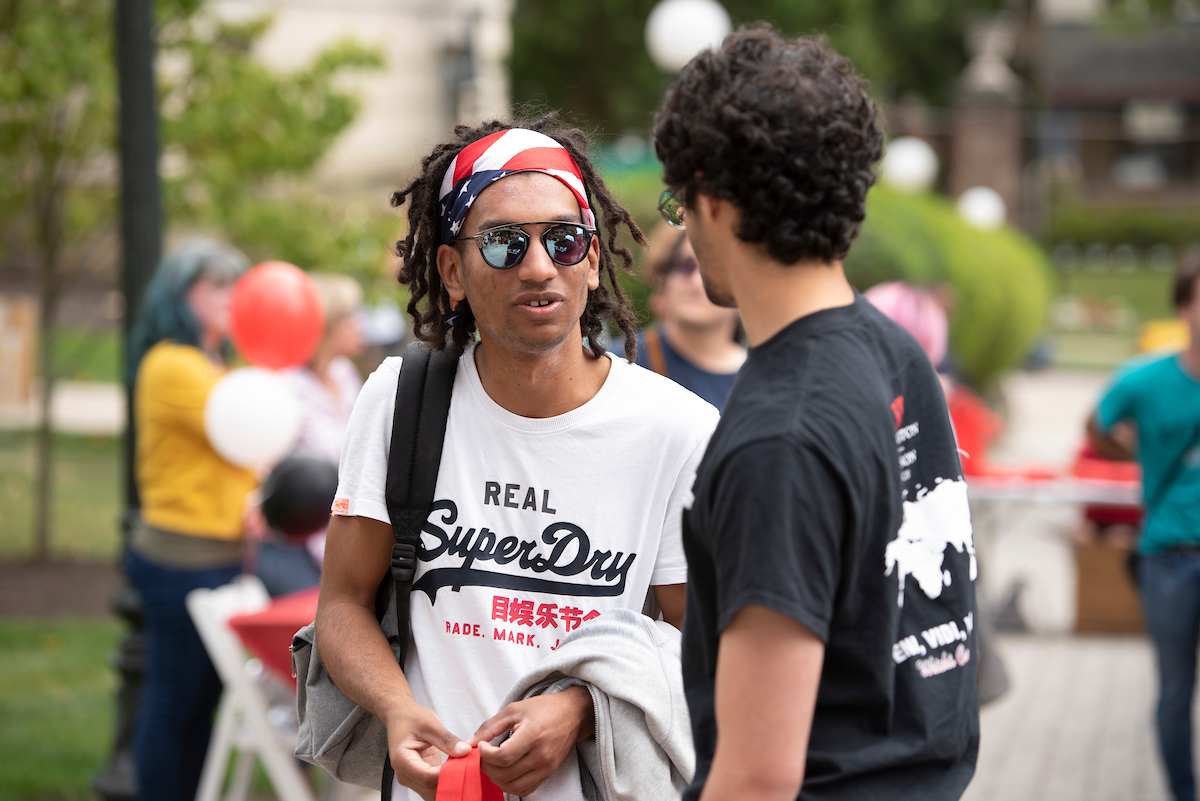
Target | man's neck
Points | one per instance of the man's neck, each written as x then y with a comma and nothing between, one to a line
709,347
540,385
772,296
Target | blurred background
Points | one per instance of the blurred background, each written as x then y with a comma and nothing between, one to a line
1042,182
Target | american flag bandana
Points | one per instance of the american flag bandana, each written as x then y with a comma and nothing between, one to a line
487,160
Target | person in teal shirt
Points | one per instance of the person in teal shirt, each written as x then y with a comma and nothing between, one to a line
1160,398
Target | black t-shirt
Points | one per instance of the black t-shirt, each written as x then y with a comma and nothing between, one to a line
832,492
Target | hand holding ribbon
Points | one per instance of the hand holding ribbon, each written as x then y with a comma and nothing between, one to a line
462,780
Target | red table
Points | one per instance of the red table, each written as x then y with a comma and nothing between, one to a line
268,634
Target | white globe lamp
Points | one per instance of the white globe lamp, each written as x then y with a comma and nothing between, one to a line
909,164
676,30
982,207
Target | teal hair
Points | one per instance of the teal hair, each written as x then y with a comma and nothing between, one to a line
164,313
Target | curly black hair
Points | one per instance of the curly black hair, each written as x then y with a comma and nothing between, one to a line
429,305
782,128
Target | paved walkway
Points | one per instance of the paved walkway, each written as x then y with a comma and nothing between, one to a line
1076,725
77,407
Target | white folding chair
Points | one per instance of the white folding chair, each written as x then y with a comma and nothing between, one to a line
242,723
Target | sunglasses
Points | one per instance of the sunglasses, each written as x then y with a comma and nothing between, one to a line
504,246
671,208
682,267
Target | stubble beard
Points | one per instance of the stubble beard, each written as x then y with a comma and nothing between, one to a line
717,294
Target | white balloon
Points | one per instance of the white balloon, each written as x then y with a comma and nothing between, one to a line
676,30
909,164
982,207
252,417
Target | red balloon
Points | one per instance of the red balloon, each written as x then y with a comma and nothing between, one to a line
275,315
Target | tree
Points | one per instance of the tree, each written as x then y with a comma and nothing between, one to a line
56,122
242,136
590,59
242,140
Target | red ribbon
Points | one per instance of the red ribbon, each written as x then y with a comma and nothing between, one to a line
462,780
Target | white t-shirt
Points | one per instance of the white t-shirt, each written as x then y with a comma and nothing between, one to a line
538,524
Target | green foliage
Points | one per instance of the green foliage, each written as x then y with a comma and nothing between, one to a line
590,59
241,138
56,706
1116,225
315,233
57,106
1002,282
637,188
1146,292
1133,17
238,138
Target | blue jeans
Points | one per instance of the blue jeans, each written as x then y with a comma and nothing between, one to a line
1170,588
180,689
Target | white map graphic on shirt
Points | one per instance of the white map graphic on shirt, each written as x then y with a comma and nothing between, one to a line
937,519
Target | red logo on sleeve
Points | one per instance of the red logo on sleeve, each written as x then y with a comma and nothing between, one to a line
341,506
898,410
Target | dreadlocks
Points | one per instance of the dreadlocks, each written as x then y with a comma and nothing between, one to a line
418,250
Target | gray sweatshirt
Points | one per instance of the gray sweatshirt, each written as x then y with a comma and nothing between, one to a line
642,749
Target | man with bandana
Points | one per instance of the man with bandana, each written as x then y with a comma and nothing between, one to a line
550,509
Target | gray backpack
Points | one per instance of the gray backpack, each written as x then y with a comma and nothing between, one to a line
336,733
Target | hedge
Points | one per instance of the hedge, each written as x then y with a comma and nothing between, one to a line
1117,225
1002,282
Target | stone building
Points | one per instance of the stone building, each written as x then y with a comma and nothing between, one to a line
445,62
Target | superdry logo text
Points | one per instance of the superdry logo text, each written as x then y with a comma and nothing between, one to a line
570,554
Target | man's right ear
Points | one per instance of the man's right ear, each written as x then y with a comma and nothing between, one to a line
712,210
449,264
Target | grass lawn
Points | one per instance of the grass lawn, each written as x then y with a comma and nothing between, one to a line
56,706
87,496
85,354
1148,293
1084,349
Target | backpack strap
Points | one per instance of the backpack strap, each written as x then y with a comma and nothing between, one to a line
654,351
418,431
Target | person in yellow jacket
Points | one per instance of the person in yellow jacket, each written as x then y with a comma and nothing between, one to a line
190,530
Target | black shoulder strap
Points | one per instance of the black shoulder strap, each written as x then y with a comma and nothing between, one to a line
418,431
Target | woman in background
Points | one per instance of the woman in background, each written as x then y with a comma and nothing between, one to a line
329,384
192,502
326,389
693,341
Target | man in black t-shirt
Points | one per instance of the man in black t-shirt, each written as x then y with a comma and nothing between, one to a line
829,643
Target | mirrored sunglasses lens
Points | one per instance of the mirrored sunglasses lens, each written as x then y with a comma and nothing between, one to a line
676,211
503,249
672,209
566,244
